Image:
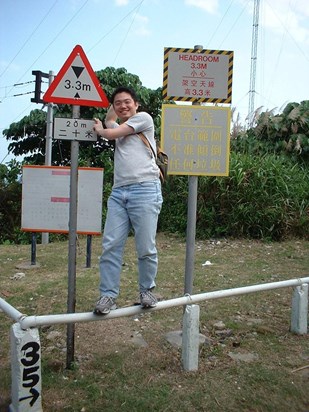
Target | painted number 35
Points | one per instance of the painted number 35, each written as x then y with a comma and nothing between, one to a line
30,377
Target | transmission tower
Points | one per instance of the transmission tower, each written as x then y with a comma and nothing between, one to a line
255,30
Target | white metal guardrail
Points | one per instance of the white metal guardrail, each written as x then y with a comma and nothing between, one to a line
26,349
35,321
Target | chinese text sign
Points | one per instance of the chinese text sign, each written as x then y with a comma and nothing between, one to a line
197,139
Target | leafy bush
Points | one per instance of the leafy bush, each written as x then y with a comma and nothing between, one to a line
10,201
264,197
286,133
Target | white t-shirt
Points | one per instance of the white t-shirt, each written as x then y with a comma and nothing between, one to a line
134,162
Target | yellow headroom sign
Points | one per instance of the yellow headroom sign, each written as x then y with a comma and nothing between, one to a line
193,75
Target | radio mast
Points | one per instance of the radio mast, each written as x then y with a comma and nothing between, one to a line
255,30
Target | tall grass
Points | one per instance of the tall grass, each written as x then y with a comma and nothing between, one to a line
264,197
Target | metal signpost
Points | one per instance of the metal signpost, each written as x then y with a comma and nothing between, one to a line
196,137
48,142
76,84
197,141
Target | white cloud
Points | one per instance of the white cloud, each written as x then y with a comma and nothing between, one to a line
284,17
211,6
141,23
302,6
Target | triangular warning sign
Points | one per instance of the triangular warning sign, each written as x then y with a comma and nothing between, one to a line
76,83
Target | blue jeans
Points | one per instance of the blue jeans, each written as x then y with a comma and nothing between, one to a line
134,206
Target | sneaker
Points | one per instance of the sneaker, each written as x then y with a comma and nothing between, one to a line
104,305
148,300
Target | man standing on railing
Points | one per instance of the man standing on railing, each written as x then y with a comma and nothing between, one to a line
135,201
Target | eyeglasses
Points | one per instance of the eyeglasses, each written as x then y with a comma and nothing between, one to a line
119,103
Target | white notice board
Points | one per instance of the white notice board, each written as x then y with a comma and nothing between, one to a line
46,199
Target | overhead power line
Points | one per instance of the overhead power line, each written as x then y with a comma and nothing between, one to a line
128,31
217,28
234,24
54,39
297,44
27,40
115,26
22,94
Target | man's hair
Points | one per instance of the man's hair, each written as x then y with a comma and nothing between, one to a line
124,89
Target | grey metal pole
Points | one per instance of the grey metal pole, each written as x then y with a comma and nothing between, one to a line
72,242
33,248
49,127
49,141
191,230
191,227
88,253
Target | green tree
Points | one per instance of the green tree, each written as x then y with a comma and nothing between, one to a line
27,137
10,201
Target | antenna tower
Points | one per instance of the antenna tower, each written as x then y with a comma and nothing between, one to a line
255,30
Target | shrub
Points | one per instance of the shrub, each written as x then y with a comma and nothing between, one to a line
264,197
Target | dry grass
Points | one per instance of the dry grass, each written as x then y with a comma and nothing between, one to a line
112,372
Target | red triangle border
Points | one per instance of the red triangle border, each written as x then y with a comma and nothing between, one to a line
48,96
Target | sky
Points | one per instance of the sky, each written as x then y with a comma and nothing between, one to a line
40,35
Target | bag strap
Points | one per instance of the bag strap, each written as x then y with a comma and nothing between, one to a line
146,141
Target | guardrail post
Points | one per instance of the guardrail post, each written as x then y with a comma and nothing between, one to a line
190,337
26,370
299,316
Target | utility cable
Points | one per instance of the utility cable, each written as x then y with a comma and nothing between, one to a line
217,28
54,39
238,17
128,31
114,27
287,31
65,26
27,40
283,41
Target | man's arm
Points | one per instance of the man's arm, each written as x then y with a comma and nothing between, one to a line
111,134
110,118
